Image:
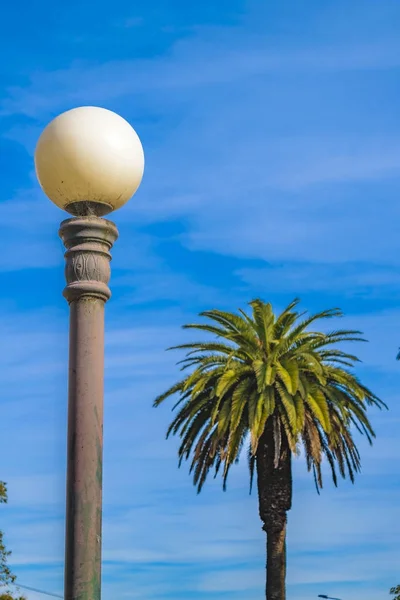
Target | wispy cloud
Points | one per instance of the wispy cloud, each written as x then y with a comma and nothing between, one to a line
272,158
131,22
361,280
145,494
210,56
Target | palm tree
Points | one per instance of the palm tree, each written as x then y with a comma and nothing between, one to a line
272,380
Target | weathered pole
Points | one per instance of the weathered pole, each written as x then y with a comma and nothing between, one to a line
88,241
89,161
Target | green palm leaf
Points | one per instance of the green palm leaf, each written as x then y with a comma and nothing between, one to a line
262,368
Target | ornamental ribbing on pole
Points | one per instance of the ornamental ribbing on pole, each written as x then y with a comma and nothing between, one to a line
89,161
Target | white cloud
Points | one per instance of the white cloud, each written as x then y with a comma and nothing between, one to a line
164,285
243,146
246,182
211,56
243,580
358,279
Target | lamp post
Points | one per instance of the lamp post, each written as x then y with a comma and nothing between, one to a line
89,161
327,597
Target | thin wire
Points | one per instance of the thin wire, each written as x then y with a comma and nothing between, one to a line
26,587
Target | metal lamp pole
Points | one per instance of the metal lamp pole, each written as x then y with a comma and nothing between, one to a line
89,161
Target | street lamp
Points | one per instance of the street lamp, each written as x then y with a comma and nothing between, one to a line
327,597
89,161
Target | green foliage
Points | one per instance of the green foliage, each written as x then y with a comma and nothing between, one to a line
3,492
258,367
6,576
394,590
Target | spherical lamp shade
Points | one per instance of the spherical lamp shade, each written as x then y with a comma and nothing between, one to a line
89,160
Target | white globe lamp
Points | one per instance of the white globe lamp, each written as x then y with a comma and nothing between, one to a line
89,161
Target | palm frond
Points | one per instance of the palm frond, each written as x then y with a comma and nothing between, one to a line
264,372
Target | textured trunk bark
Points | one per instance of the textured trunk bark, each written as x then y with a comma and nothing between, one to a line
276,564
275,499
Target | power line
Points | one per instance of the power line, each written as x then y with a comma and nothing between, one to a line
32,589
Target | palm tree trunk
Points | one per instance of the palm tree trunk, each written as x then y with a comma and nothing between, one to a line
274,481
276,564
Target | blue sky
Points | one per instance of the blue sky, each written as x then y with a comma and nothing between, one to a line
272,140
